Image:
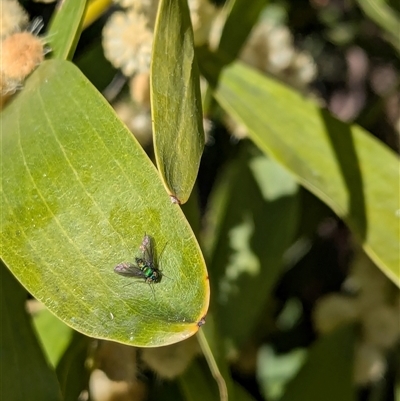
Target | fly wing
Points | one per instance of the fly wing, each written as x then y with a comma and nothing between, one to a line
149,252
128,270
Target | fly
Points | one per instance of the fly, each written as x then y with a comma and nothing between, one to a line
145,267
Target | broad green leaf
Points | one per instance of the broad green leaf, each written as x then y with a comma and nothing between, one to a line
351,171
175,100
253,216
72,372
65,28
25,374
54,334
328,371
78,195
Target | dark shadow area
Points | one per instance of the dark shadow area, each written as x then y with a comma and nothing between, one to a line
343,146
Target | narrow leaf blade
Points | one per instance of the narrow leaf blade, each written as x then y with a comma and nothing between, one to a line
242,16
175,100
65,28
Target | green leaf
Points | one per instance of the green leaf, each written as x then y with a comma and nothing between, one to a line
53,333
103,74
78,194
242,16
169,390
72,372
197,383
275,370
254,210
65,28
25,374
343,165
386,17
328,372
175,100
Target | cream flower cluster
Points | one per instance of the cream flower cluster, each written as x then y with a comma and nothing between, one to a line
270,49
128,34
376,307
127,43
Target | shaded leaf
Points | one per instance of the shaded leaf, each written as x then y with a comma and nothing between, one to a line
104,72
253,219
72,373
276,370
386,17
343,165
212,346
328,372
170,390
197,383
25,374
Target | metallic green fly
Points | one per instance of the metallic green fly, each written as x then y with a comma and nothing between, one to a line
145,266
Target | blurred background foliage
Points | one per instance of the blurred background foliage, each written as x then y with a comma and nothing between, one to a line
298,310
